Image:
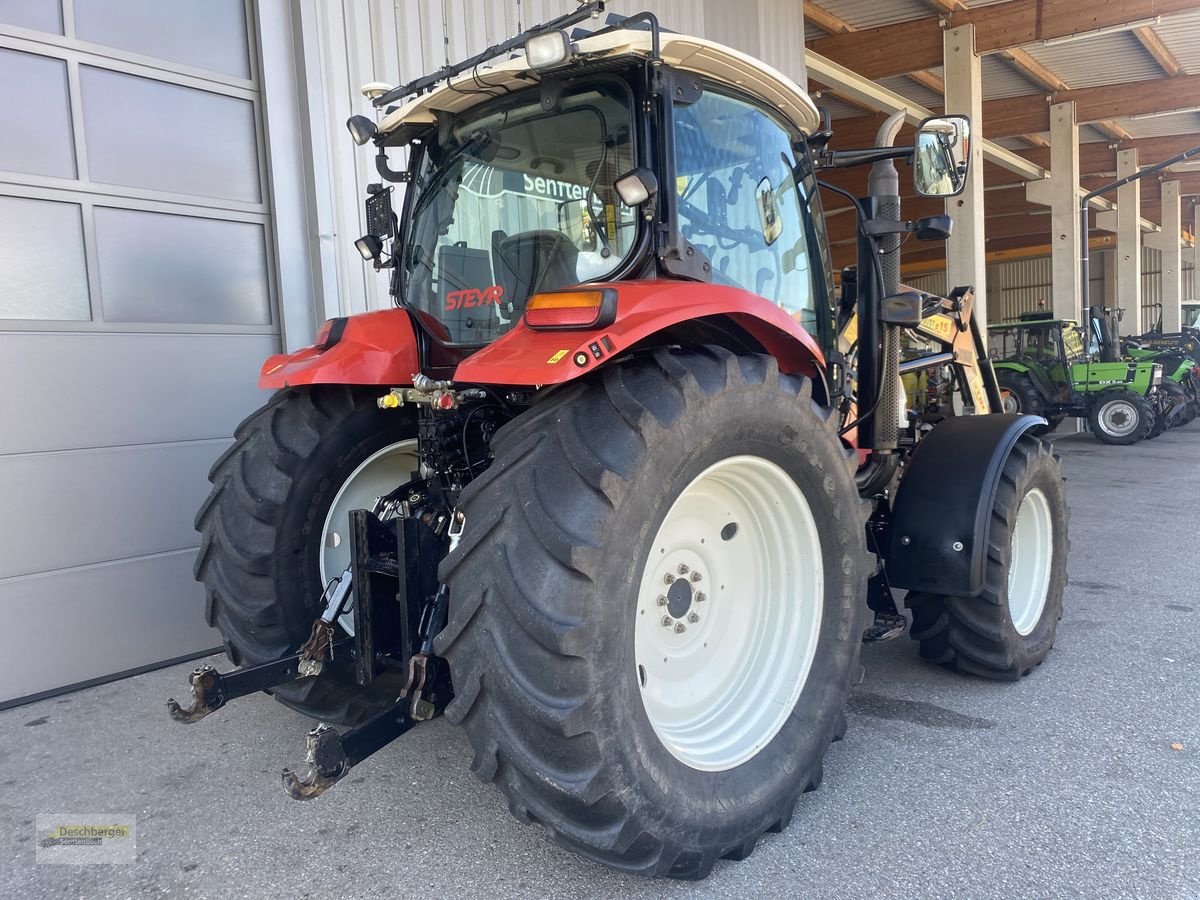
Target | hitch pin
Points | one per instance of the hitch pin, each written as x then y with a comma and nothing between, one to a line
457,521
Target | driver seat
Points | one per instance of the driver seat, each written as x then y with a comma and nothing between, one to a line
532,261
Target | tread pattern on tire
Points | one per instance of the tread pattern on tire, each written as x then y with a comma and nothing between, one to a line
243,549
523,692
966,634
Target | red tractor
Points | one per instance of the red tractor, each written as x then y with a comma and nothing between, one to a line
618,485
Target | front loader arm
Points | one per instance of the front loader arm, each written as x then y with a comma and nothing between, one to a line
952,325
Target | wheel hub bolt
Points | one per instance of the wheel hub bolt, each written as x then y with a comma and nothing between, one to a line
667,621
699,597
669,578
662,599
680,628
683,569
693,617
695,577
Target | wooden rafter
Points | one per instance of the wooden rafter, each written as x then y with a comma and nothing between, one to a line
1043,77
834,24
917,44
1166,60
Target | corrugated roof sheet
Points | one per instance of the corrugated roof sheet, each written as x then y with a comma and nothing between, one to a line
906,87
1180,123
1181,34
1102,59
870,13
1002,79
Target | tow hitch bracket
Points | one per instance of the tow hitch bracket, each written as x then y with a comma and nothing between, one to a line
211,689
329,756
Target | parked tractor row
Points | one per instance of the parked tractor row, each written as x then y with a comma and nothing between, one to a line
1127,390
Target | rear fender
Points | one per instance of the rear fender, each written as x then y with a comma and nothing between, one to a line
945,501
524,356
376,348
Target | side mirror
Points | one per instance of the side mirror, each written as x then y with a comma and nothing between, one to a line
942,156
901,309
933,228
636,187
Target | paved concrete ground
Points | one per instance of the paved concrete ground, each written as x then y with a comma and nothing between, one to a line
1063,785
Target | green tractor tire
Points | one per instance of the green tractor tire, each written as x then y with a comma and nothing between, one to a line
1020,395
1121,417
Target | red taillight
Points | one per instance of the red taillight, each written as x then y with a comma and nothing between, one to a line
571,309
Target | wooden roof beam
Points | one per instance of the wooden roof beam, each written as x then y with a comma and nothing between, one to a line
1043,77
1162,54
917,44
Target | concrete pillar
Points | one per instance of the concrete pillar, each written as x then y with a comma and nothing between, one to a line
1171,244
1059,192
1129,244
966,254
1110,278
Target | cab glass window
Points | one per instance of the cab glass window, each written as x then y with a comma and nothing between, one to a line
748,200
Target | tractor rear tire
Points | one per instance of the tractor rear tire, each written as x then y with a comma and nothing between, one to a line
570,599
262,535
1021,396
1121,417
1000,635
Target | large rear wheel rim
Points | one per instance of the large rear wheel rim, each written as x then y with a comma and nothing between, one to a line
1029,566
729,613
380,473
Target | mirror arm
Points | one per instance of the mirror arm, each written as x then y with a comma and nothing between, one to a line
843,159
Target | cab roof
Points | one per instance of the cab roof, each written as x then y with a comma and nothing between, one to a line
691,54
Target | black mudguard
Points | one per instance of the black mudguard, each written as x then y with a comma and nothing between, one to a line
945,499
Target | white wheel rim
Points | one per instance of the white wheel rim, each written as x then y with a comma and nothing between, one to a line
380,473
744,551
1029,567
1118,418
1010,402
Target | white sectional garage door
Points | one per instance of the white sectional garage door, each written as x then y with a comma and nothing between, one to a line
136,303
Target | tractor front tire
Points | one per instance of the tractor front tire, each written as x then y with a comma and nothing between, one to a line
1121,417
263,533
656,608
1006,632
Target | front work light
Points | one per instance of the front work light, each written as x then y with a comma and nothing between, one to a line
636,187
545,50
369,247
361,129
567,310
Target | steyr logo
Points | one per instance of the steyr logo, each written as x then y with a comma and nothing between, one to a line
472,297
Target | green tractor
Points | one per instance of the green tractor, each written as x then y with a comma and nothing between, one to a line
1044,369
1179,393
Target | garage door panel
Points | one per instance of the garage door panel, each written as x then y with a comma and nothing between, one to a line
149,134
42,270
69,616
161,267
208,35
89,506
104,390
35,120
40,15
